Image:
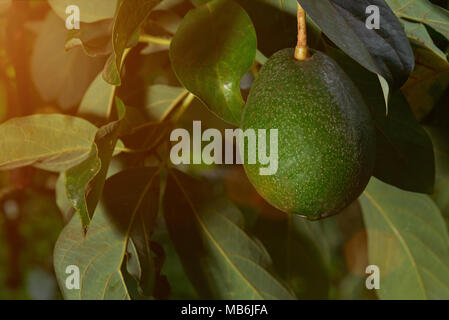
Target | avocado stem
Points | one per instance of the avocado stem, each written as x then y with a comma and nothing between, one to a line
301,50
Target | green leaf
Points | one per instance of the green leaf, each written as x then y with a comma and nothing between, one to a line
84,182
284,5
97,101
385,51
276,24
77,181
417,32
299,258
132,122
130,16
62,200
116,243
90,11
427,83
161,99
404,150
168,4
53,142
59,75
422,11
180,286
353,287
106,141
213,48
220,258
95,38
404,155
308,255
168,20
323,234
440,139
408,241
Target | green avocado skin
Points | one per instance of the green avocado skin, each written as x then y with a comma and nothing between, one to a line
326,137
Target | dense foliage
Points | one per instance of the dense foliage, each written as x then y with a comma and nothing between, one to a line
86,178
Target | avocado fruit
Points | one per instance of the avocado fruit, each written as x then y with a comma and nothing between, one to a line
326,136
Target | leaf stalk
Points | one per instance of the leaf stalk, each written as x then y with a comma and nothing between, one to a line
146,38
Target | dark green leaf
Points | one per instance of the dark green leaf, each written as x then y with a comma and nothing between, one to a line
161,99
323,234
404,155
180,286
404,150
275,23
94,38
84,182
77,181
130,16
116,246
168,20
440,139
221,259
385,51
300,252
106,140
211,51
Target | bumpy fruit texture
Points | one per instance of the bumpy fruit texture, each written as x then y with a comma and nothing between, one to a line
326,135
